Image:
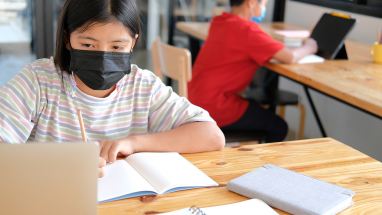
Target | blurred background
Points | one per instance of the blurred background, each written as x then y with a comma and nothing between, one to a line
27,32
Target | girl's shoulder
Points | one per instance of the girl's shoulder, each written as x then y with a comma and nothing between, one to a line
44,73
43,68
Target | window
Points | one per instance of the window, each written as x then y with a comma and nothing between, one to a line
366,7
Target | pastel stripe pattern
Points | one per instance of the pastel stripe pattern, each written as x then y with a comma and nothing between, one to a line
40,103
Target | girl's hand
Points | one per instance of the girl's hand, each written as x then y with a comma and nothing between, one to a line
110,150
101,165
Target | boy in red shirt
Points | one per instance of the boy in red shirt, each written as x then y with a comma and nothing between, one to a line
235,48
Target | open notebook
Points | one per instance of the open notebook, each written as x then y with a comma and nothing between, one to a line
248,207
149,174
311,59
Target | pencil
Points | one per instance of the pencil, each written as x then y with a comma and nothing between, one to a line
81,120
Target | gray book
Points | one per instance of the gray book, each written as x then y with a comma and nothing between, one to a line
292,192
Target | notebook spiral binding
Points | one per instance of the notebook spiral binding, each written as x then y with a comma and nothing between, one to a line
196,211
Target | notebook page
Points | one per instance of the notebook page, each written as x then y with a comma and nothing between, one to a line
248,207
168,170
293,33
311,59
305,60
120,179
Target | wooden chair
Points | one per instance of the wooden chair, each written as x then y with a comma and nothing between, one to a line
172,62
218,10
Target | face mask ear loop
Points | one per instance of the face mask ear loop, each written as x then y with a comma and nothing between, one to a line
74,89
118,87
118,84
73,84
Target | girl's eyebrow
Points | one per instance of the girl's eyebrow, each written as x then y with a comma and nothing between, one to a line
88,38
114,41
120,40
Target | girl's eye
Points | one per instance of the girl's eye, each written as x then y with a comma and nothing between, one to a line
118,47
87,45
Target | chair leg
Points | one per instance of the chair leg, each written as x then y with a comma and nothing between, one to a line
282,111
301,131
301,107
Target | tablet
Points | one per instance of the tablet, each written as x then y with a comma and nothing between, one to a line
330,33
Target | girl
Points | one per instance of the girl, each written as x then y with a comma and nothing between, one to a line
125,108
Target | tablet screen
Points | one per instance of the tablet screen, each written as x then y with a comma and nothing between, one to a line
330,33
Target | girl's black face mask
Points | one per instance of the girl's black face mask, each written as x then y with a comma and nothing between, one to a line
99,70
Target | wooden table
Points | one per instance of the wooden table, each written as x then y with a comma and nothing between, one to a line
199,30
356,82
325,159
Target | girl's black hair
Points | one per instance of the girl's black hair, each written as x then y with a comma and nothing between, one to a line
81,14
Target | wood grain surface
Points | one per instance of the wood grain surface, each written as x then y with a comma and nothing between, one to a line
325,159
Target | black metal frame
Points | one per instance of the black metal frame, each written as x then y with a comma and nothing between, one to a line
357,6
315,112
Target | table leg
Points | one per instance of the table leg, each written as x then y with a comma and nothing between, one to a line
316,116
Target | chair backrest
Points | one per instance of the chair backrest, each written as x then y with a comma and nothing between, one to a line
172,62
219,10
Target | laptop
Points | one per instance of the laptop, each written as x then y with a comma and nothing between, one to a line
330,33
45,179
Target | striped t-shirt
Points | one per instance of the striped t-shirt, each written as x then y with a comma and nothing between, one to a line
40,104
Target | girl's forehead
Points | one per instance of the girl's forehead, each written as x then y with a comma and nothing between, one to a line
105,29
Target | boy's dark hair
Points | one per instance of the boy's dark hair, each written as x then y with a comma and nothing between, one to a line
81,14
237,2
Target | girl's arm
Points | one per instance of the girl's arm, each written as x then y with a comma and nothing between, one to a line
188,138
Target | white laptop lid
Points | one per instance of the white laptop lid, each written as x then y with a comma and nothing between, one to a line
49,179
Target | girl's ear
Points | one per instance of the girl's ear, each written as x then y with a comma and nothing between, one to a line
134,42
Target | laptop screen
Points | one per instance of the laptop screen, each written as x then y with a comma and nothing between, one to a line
330,33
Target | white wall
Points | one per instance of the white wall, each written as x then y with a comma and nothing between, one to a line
346,124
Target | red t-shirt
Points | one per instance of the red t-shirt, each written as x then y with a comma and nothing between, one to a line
234,50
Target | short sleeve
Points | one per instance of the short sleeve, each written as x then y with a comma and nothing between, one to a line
262,47
168,110
19,102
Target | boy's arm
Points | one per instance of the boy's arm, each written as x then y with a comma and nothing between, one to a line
288,56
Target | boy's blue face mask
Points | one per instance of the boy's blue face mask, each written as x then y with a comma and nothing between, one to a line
260,18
